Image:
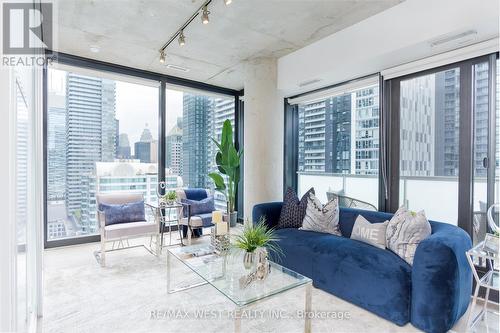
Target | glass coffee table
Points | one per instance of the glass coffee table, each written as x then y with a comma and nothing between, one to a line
223,273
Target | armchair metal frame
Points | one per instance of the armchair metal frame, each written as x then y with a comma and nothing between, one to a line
122,242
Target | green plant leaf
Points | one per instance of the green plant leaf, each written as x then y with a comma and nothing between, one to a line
227,135
218,181
218,161
233,158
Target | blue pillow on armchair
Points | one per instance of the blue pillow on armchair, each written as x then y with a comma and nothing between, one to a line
123,213
204,206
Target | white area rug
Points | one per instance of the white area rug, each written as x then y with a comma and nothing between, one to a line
129,295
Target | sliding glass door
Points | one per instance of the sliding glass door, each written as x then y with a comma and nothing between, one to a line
442,134
429,150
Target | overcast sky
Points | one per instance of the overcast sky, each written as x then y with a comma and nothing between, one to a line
137,105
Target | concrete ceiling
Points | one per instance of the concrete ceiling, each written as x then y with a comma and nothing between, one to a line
130,32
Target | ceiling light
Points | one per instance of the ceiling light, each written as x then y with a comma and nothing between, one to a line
227,2
182,38
94,49
204,15
163,56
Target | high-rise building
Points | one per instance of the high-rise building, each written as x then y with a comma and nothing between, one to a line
195,136
56,147
365,131
90,134
123,150
340,134
446,153
128,176
174,159
142,151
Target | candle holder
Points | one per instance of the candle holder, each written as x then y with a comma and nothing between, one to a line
220,243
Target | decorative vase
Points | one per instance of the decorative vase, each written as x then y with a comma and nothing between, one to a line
233,219
248,259
170,202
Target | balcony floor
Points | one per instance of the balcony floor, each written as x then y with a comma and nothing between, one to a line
80,296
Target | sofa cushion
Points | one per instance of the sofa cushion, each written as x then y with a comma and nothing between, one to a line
198,221
369,233
348,217
321,218
372,278
123,213
375,279
130,229
405,231
195,193
293,210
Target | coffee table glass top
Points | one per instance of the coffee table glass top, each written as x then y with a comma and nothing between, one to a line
224,272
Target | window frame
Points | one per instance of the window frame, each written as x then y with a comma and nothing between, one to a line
389,137
163,79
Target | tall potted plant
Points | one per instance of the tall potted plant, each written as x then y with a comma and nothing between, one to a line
228,160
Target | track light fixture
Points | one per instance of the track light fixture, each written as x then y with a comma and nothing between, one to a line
182,38
203,12
204,15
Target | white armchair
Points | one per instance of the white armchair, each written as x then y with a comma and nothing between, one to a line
123,231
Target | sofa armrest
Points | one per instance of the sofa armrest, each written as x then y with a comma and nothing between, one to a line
270,211
441,279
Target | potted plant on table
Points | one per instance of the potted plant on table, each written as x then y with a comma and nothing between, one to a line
170,197
255,237
228,160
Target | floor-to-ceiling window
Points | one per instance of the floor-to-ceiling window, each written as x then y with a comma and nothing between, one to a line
101,136
429,144
193,118
437,135
443,144
338,142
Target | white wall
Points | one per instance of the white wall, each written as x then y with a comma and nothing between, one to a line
398,35
263,135
7,202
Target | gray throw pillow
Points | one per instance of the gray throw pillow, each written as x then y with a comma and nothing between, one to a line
405,231
293,210
321,218
370,233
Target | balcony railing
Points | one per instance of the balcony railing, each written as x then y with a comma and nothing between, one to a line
438,196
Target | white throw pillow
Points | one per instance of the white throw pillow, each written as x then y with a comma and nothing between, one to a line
370,233
321,218
405,231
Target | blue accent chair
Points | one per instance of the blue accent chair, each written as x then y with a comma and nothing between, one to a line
194,218
432,294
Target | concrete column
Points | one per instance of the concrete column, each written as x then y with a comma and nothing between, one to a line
263,135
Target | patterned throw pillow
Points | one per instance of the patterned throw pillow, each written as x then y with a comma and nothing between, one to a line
405,231
293,210
197,207
370,233
123,213
321,218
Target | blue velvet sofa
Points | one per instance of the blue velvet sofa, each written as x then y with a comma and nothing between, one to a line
432,295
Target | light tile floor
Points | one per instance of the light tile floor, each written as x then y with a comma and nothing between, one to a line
129,295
